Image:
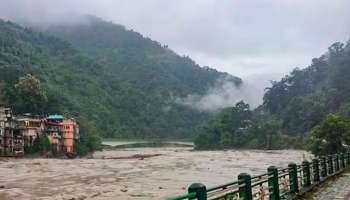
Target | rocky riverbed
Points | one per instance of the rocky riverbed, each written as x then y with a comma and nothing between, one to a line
137,173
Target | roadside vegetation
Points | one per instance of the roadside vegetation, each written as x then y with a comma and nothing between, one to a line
331,135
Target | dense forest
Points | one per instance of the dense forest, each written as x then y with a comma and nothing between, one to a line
120,84
292,108
113,80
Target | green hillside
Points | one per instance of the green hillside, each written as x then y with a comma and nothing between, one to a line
110,78
305,96
291,108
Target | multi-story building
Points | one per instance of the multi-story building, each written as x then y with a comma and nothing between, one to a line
31,127
61,133
70,130
11,139
53,131
21,132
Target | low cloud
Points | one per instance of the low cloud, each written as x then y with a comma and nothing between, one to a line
225,93
244,38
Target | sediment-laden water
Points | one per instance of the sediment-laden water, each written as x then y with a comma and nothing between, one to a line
137,173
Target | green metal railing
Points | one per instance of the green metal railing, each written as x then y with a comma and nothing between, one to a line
276,184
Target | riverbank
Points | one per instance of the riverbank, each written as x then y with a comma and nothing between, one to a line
138,173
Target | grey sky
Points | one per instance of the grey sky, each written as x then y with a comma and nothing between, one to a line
245,38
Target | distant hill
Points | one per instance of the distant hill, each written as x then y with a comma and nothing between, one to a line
305,96
110,78
290,109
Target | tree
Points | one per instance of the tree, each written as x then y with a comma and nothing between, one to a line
89,140
29,96
269,130
41,144
336,48
276,96
229,130
331,135
2,93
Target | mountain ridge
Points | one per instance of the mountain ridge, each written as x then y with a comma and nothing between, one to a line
124,91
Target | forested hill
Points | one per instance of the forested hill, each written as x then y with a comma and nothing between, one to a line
110,78
305,96
291,109
138,60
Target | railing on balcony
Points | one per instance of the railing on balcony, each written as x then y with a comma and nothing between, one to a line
276,184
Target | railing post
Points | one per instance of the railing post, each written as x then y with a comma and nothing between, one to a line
199,189
336,162
316,170
274,189
306,173
342,159
324,167
330,165
293,178
245,186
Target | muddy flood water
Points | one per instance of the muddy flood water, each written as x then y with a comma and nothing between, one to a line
135,173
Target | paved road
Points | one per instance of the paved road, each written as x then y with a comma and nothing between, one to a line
338,188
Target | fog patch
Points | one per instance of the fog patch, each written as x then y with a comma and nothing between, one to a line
225,93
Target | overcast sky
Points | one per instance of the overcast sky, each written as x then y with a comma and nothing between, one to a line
264,38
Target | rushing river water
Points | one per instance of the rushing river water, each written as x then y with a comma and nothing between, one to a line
135,173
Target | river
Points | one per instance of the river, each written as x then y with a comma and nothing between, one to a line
131,173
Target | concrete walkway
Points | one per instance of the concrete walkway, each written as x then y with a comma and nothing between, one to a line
338,188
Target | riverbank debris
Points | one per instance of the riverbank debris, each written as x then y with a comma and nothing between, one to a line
136,156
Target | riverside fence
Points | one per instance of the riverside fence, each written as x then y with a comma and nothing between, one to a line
276,184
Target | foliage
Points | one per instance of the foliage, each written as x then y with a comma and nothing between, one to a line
124,86
121,82
2,93
227,130
240,127
291,108
305,96
40,145
29,95
331,135
89,141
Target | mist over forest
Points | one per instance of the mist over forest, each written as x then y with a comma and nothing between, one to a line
112,79
124,83
130,99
